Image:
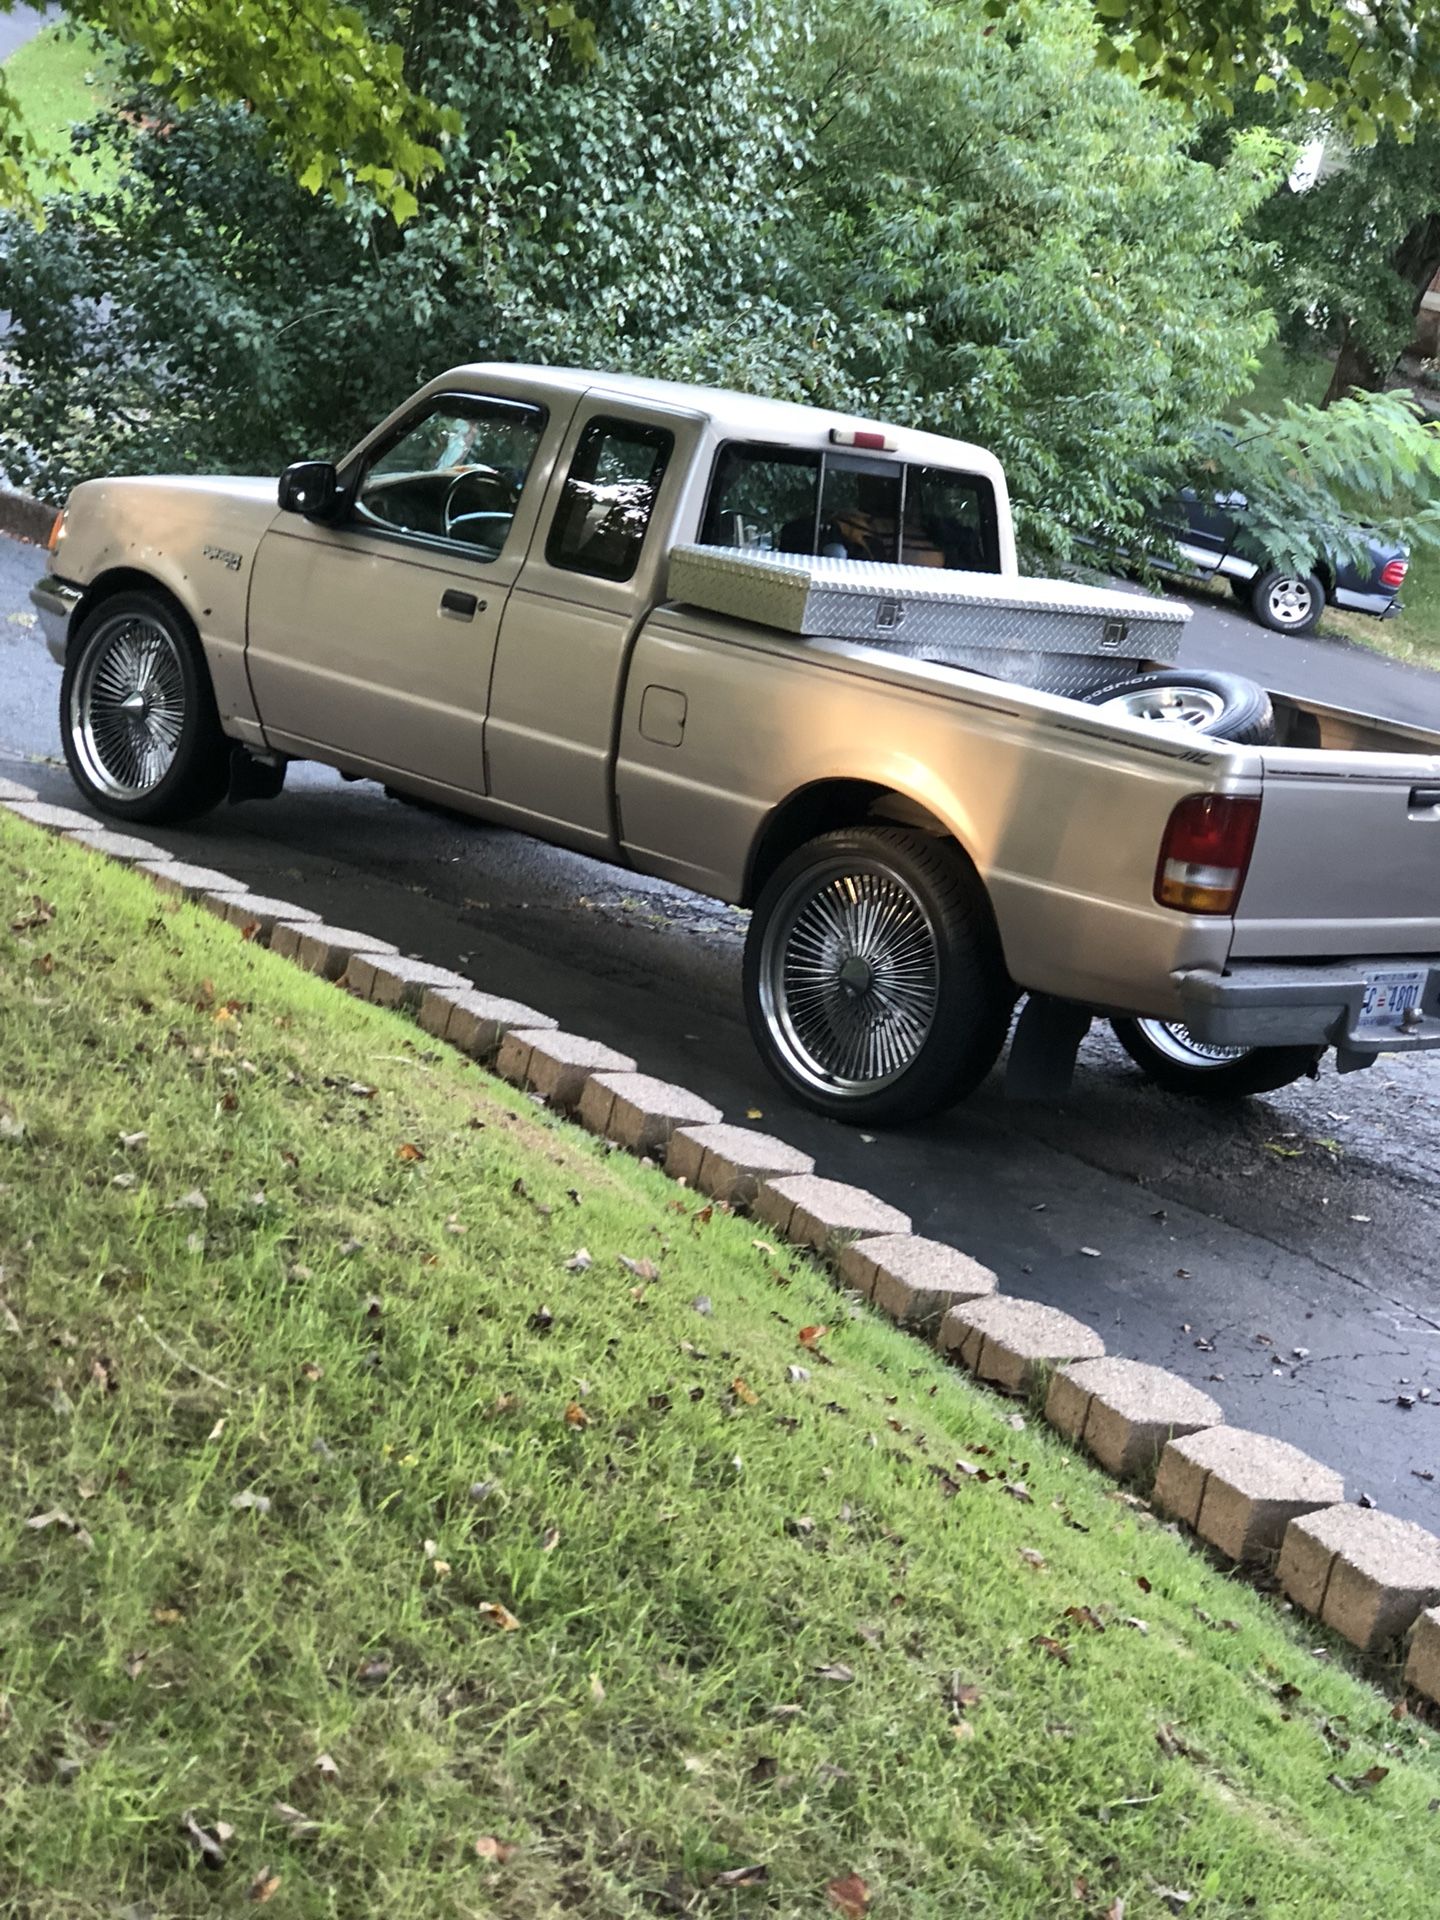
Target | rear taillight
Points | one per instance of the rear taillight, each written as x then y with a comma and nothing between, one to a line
1206,852
1393,573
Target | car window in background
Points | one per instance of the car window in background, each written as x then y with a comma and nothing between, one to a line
768,499
455,475
608,499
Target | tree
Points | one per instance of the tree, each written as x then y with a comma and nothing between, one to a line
895,208
1370,63
330,93
1352,255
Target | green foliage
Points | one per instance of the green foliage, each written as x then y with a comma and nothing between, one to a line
894,208
1311,474
1368,67
331,95
1346,255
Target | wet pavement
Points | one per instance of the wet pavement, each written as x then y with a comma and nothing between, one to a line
1283,1253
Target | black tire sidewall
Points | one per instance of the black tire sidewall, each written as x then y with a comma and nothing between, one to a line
1261,1070
1247,718
975,993
197,777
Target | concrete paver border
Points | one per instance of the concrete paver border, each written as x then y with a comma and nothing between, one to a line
1365,1574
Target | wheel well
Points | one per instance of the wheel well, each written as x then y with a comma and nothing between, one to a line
126,580
824,807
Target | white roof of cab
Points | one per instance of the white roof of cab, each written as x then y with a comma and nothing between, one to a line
744,416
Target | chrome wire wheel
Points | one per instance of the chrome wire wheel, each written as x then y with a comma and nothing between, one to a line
1177,1043
1171,706
1290,600
849,977
128,706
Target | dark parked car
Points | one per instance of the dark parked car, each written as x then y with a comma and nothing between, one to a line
1208,529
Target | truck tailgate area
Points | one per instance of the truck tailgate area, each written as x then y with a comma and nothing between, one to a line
1347,857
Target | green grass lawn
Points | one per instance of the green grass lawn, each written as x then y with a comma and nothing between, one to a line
59,79
359,1534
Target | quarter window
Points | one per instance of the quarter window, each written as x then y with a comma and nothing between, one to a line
455,475
609,497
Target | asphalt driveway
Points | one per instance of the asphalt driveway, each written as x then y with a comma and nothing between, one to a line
1280,1253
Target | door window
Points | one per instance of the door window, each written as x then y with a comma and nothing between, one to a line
609,496
455,475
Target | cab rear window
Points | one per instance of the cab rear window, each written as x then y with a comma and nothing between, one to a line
850,507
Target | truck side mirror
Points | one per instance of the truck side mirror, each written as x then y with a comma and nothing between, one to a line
310,487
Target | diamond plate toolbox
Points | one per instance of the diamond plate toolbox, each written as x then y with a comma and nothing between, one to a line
1054,634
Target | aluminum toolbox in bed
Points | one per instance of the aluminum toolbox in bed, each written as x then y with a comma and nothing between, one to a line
1052,634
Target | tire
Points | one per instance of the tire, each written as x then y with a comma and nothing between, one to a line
1166,1053
165,758
1287,602
1225,705
907,1002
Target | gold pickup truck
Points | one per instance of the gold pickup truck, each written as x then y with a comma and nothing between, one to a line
786,658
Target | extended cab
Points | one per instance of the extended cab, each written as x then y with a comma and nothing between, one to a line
614,613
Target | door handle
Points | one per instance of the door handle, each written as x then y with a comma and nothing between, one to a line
464,606
1424,799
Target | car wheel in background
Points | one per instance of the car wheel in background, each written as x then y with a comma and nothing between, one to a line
1169,1054
138,721
874,983
1226,705
1287,602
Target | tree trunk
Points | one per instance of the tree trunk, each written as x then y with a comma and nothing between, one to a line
1353,368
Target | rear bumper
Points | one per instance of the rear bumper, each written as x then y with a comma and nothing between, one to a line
1383,605
1265,1003
55,600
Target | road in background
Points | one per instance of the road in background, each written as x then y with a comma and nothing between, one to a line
1280,1253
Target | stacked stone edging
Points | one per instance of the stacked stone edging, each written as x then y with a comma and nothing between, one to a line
1369,1576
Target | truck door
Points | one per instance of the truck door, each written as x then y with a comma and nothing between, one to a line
596,568
371,640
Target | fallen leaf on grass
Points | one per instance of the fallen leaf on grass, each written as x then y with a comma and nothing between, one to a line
743,1393
576,1416
701,1304
837,1671
811,1336
1170,1743
764,1246
849,1895
57,1517
642,1269
209,1843
755,1876
487,1847
1031,1557
300,1825
1360,1782
372,1673
1018,1490
580,1261
193,1202
41,913
499,1616
1056,1649
1085,1617
260,1502
361,1090
551,1540
310,1371
264,1886
166,1616
326,1767
134,1140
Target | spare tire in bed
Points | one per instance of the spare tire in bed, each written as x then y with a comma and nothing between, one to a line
1223,704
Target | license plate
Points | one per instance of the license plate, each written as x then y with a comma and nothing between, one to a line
1389,996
